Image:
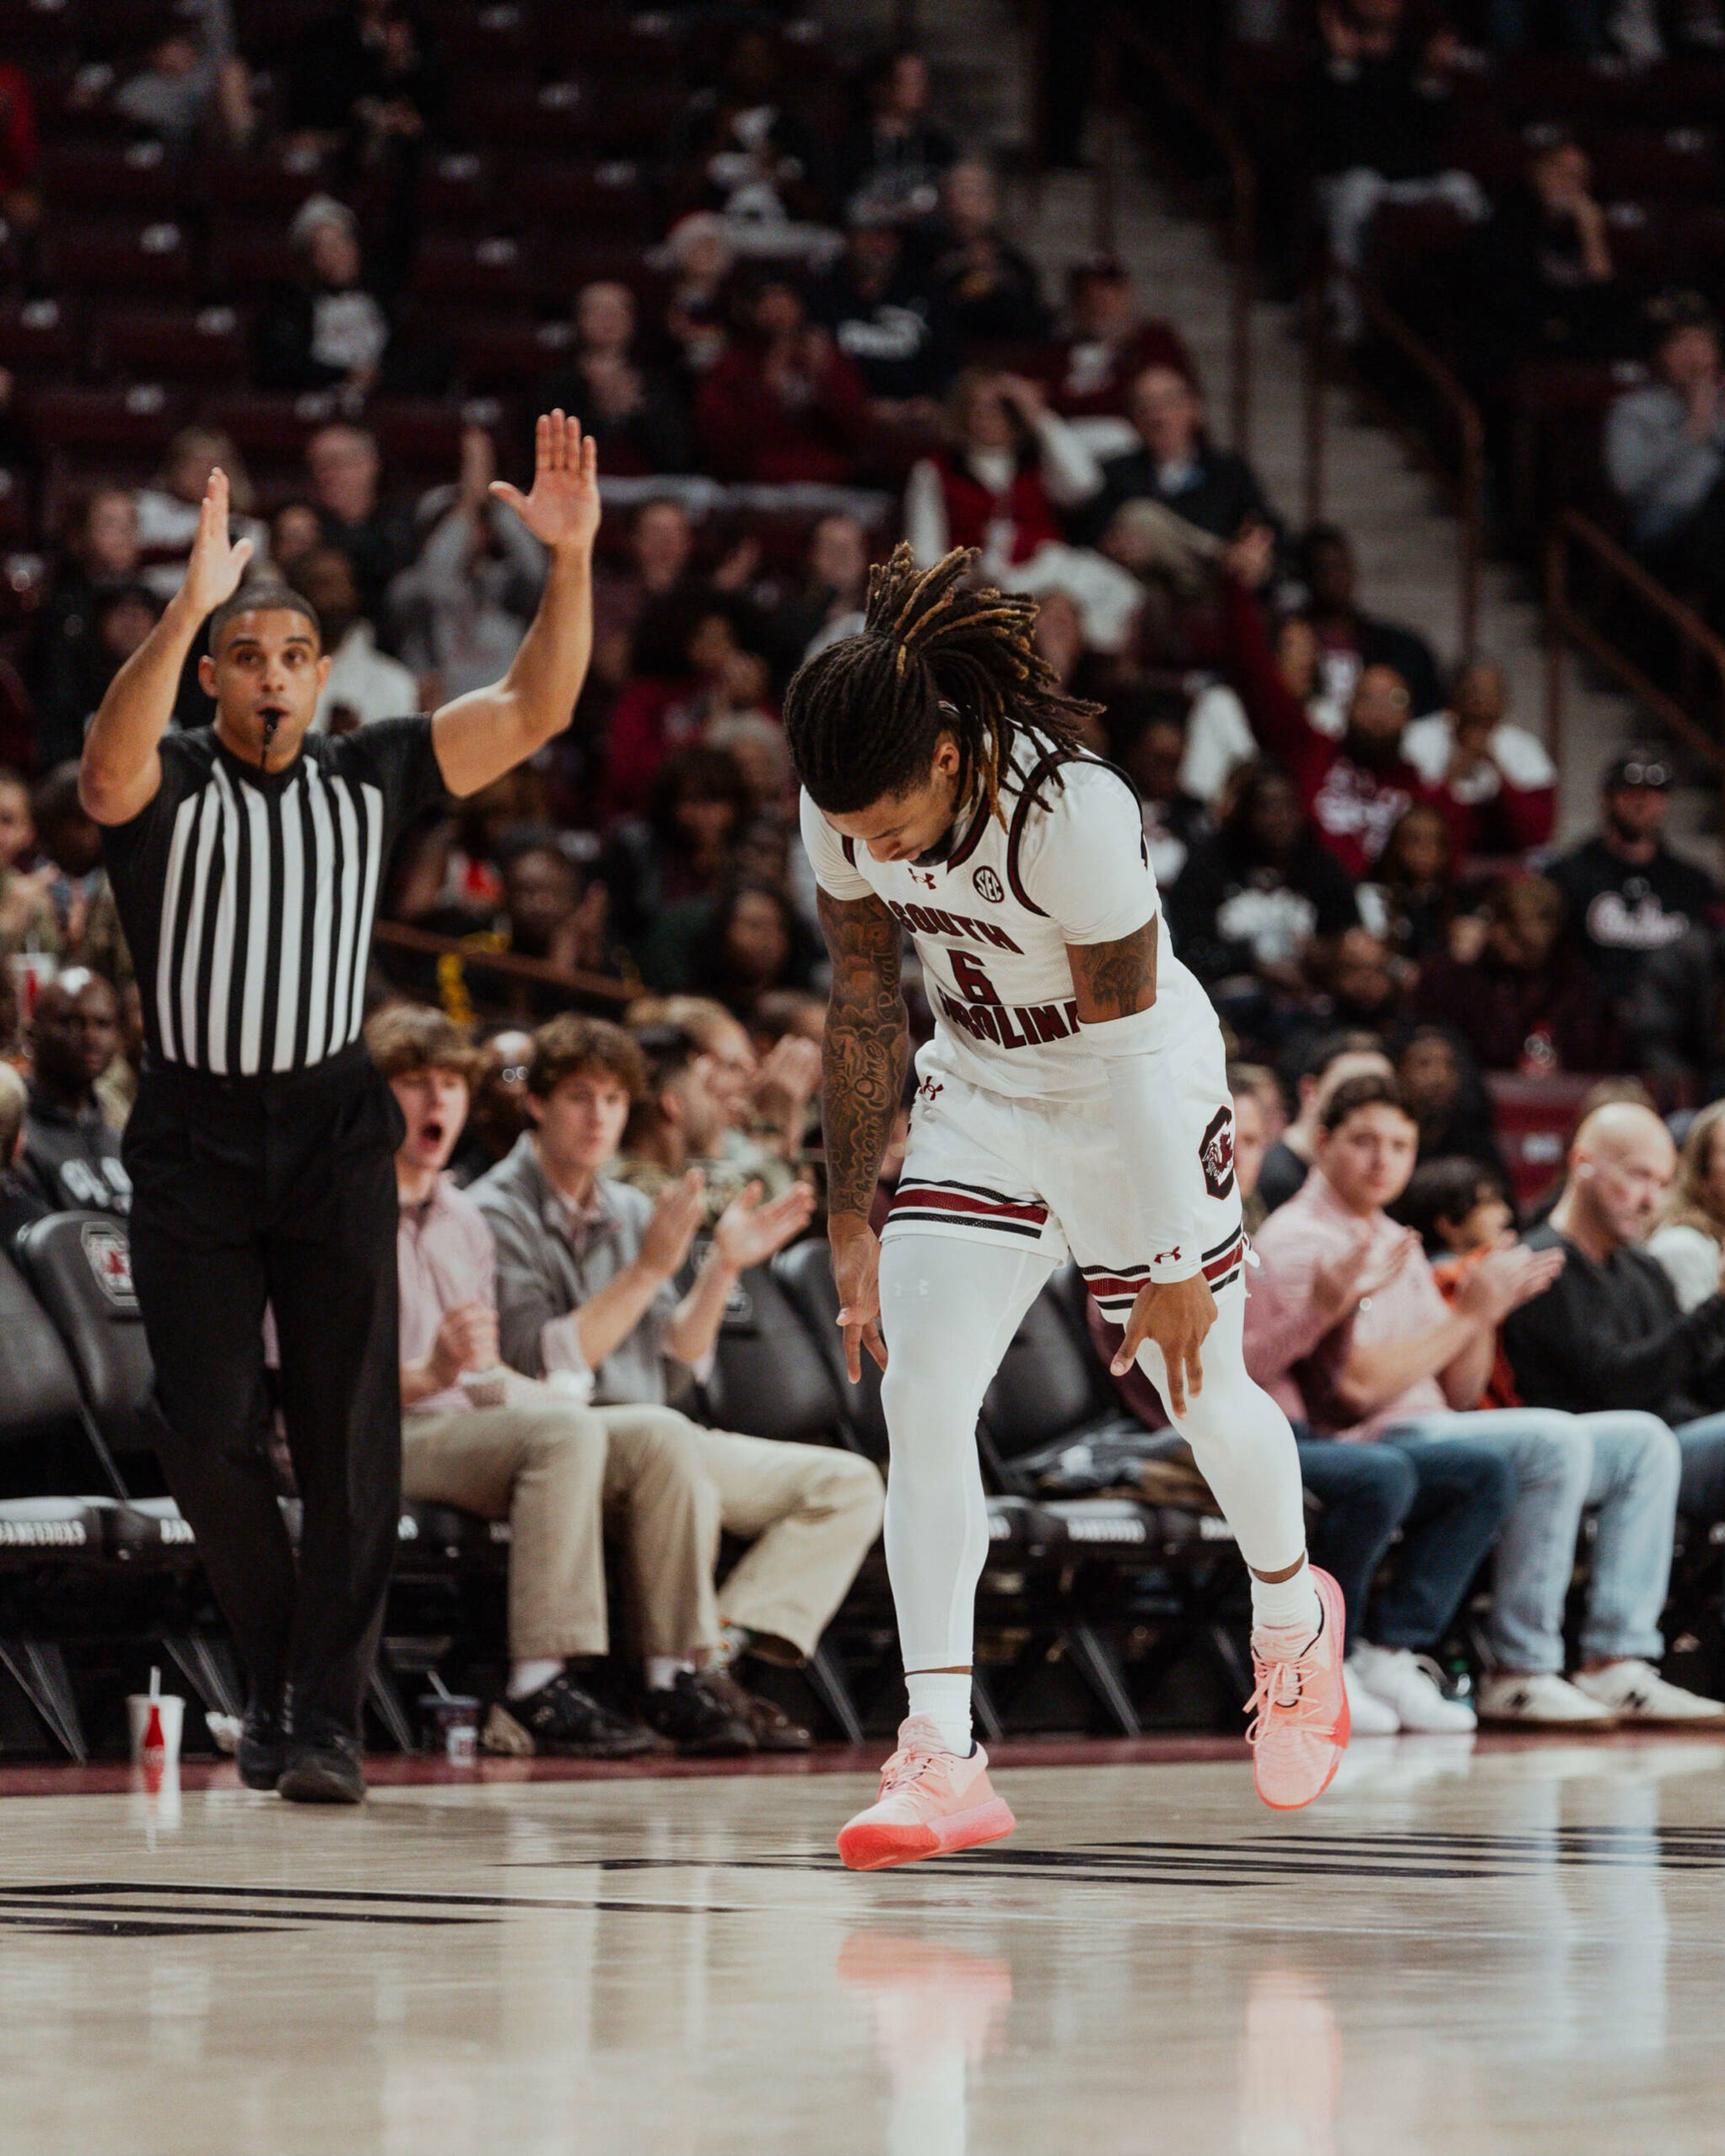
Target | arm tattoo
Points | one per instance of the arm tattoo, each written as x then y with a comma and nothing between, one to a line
865,1050
1115,979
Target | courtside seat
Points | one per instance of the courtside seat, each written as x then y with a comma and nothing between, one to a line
1048,1387
440,1535
80,1266
38,1386
58,1529
150,1530
768,1378
805,1272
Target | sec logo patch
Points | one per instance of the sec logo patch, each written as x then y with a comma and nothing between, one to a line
988,885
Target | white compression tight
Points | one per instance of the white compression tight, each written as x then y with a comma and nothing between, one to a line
949,1310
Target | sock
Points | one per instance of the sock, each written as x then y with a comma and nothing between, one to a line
734,1640
663,1671
532,1675
944,1697
1291,1602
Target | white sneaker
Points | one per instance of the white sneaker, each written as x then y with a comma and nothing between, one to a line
1369,1715
1635,1692
1409,1685
1544,1701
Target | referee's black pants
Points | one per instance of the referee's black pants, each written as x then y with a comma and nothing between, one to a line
277,1190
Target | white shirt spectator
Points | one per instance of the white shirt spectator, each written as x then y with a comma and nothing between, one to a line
1512,753
366,681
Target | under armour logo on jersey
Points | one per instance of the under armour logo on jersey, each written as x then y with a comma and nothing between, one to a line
923,876
929,1091
988,885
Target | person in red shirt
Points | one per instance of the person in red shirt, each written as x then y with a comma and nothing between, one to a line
19,152
1355,790
783,405
1090,371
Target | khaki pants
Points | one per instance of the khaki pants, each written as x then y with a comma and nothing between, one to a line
561,1475
810,1514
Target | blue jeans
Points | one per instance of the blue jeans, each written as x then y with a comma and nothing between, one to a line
1701,1493
1628,1465
1449,1497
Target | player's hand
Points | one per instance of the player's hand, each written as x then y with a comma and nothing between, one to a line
857,1273
1176,1315
747,1232
563,508
676,1218
212,573
466,1341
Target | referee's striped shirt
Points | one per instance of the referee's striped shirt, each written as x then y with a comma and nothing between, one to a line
247,897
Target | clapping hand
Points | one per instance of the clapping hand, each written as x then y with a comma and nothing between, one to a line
749,1232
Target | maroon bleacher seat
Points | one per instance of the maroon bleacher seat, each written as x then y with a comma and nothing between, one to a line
589,39
141,178
1648,164
171,344
114,254
248,258
459,191
40,337
607,198
36,36
133,421
270,185
482,272
1535,1119
270,426
501,353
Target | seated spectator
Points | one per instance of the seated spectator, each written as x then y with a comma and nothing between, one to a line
833,594
362,80
697,254
508,1448
883,321
989,287
1150,746
66,676
1451,1110
328,331
1008,466
1329,1062
1107,346
1611,1333
1409,1367
654,576
1664,450
782,404
664,870
638,416
71,1157
1411,900
552,912
749,154
708,676
194,86
892,164
1252,899
680,1121
377,536
364,684
295,530
167,509
20,1201
1457,1207
27,920
1177,465
497,1115
1349,639
1499,774
1525,1001
70,843
463,607
585,1268
1690,1236
754,945
767,1099
453,876
1373,108
1628,895
1540,282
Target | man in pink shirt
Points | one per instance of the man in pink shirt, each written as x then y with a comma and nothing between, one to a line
1400,1366
481,1437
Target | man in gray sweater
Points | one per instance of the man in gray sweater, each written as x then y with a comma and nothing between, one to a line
1665,452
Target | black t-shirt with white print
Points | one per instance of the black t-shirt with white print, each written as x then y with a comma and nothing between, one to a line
247,897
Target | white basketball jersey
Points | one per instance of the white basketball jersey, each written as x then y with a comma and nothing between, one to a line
992,922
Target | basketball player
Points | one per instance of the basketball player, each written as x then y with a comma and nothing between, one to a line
247,861
1072,1100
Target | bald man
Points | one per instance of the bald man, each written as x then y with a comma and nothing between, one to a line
71,1157
1608,1334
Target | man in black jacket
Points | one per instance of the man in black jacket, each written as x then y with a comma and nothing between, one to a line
1608,1334
1177,466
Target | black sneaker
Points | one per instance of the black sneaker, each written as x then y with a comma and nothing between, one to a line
696,1722
263,1748
564,1722
322,1769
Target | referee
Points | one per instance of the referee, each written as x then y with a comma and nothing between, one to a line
247,860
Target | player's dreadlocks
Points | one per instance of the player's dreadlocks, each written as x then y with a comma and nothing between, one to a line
935,654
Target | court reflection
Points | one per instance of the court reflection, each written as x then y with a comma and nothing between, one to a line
936,2012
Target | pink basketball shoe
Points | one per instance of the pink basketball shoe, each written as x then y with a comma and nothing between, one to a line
1300,1723
931,1803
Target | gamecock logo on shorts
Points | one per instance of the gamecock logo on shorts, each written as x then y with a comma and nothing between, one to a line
988,885
1216,1154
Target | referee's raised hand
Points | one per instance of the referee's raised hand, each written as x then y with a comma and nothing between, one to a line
563,507
212,573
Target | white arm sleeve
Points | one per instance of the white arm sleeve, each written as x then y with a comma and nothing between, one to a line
1086,865
835,873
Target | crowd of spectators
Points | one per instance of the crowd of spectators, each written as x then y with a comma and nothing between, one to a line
606,1022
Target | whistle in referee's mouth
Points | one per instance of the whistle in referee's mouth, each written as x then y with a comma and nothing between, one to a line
272,719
